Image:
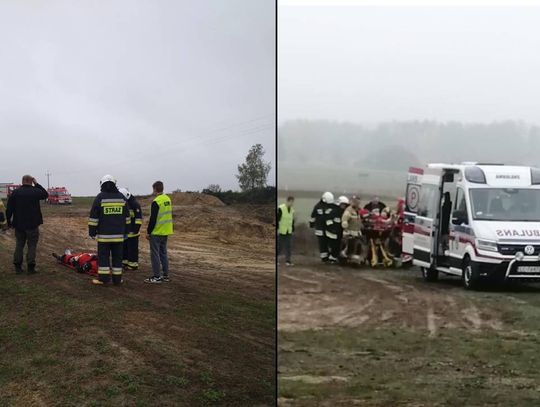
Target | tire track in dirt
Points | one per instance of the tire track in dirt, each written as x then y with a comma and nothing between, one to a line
315,296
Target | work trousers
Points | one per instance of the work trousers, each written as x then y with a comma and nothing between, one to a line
23,238
131,252
110,259
323,247
334,247
158,256
285,244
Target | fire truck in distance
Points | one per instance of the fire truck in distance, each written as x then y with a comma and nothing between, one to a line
6,189
59,196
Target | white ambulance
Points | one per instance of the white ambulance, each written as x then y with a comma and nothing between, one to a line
474,221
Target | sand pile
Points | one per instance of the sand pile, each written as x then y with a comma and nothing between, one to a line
187,198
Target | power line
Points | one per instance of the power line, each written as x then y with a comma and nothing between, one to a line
171,148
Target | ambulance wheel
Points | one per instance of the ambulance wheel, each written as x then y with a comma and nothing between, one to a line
430,274
470,275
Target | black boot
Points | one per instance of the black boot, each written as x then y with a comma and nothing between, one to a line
31,269
18,269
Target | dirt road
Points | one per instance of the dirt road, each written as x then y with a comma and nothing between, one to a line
206,338
386,338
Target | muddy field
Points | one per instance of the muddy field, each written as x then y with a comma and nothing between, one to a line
206,338
387,338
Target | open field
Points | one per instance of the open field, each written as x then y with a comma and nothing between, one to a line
206,338
387,338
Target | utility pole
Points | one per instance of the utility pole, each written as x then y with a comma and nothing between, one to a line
48,183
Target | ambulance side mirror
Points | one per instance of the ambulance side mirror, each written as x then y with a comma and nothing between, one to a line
459,218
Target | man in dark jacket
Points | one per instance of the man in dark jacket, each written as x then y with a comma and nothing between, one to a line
23,213
108,222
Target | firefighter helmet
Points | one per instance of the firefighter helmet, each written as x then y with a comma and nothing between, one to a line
125,192
107,178
328,197
343,200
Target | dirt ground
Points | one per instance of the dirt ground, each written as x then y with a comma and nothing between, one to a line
206,338
387,338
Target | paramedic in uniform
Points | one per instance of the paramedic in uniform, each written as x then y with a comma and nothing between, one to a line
109,218
130,258
375,206
318,222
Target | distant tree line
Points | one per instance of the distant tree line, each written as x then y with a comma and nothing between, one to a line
264,195
394,146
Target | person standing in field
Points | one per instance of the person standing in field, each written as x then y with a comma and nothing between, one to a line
3,220
286,229
131,244
334,229
108,222
160,227
318,222
24,214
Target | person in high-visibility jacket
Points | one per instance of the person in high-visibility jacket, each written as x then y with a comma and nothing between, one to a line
160,227
108,222
286,229
3,219
130,259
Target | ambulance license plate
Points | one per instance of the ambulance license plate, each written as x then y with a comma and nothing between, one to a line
528,269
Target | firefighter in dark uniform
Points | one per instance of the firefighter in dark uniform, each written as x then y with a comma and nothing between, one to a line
130,259
108,223
318,222
334,229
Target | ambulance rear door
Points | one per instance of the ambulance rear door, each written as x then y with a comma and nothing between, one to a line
425,225
412,196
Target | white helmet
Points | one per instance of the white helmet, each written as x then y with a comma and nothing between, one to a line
125,192
107,178
343,200
328,197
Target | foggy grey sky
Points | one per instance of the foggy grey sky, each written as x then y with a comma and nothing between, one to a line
144,90
371,64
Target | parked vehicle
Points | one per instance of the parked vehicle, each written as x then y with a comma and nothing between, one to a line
475,221
59,196
6,188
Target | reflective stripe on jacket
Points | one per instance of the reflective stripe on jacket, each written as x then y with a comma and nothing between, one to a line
109,218
164,220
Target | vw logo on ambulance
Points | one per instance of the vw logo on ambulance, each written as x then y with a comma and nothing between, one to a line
529,250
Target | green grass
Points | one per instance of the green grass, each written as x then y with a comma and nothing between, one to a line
63,346
396,367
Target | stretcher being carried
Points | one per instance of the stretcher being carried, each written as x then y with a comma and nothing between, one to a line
380,243
377,229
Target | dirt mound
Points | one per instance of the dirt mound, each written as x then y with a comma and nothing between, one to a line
230,224
188,198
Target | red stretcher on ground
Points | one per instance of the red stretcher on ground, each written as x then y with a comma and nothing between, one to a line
86,263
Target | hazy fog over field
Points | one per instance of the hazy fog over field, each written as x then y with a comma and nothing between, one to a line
382,88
